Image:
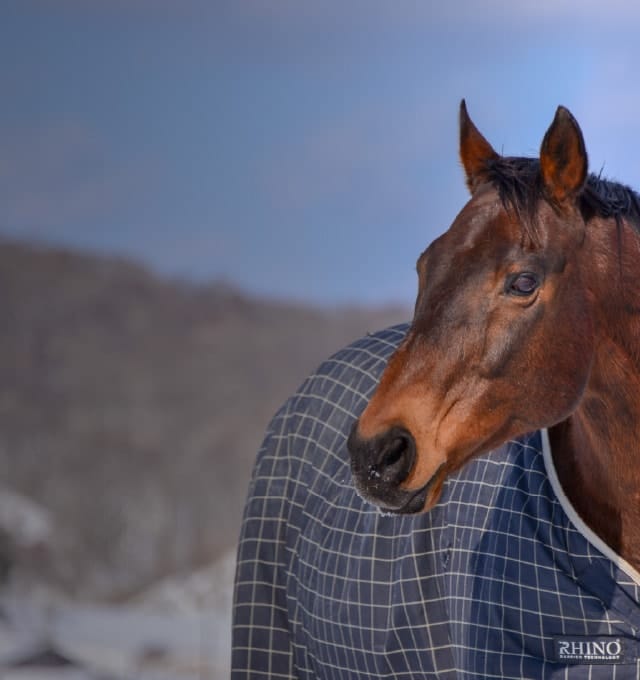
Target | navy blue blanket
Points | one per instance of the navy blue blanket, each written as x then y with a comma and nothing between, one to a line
499,580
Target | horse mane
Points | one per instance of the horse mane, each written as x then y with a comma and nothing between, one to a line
519,185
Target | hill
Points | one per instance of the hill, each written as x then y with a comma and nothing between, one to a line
131,409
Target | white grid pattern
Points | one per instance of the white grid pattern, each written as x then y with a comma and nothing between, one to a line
328,587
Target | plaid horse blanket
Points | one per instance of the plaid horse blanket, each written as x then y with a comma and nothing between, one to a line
500,580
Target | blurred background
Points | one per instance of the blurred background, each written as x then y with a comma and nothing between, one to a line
199,201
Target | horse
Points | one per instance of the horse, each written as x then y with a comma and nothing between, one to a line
527,318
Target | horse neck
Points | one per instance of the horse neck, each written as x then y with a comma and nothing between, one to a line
597,449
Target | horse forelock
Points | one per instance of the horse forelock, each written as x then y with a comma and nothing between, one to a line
519,184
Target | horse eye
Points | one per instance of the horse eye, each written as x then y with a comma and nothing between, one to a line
525,283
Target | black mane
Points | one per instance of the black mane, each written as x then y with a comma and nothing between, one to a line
519,185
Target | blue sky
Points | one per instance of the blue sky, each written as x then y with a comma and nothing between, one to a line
296,149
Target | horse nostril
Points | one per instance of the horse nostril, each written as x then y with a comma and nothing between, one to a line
396,457
394,452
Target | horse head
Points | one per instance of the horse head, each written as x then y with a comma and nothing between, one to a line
502,338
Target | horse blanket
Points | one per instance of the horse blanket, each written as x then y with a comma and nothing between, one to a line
500,580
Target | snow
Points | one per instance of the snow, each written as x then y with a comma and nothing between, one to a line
179,629
26,522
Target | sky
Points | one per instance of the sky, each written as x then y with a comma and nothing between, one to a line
296,149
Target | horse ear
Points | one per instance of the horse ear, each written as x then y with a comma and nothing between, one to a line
475,150
563,158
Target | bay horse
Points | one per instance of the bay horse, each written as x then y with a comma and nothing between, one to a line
527,317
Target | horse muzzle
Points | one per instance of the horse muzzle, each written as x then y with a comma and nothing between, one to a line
381,464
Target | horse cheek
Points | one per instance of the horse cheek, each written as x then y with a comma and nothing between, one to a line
564,364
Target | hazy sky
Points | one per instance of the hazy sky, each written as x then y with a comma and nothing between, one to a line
304,149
